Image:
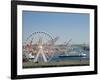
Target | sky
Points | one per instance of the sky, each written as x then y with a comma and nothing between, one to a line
66,26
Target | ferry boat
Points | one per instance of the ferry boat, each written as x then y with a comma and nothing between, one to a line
73,54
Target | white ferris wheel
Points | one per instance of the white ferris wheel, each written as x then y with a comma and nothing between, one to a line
40,46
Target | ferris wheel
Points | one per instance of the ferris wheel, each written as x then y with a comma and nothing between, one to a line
40,46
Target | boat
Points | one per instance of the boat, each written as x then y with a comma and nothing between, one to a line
83,55
73,54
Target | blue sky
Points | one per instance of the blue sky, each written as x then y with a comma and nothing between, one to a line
67,26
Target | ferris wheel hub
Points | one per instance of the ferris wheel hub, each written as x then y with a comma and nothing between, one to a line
40,47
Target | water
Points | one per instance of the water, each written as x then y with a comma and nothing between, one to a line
69,58
66,58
